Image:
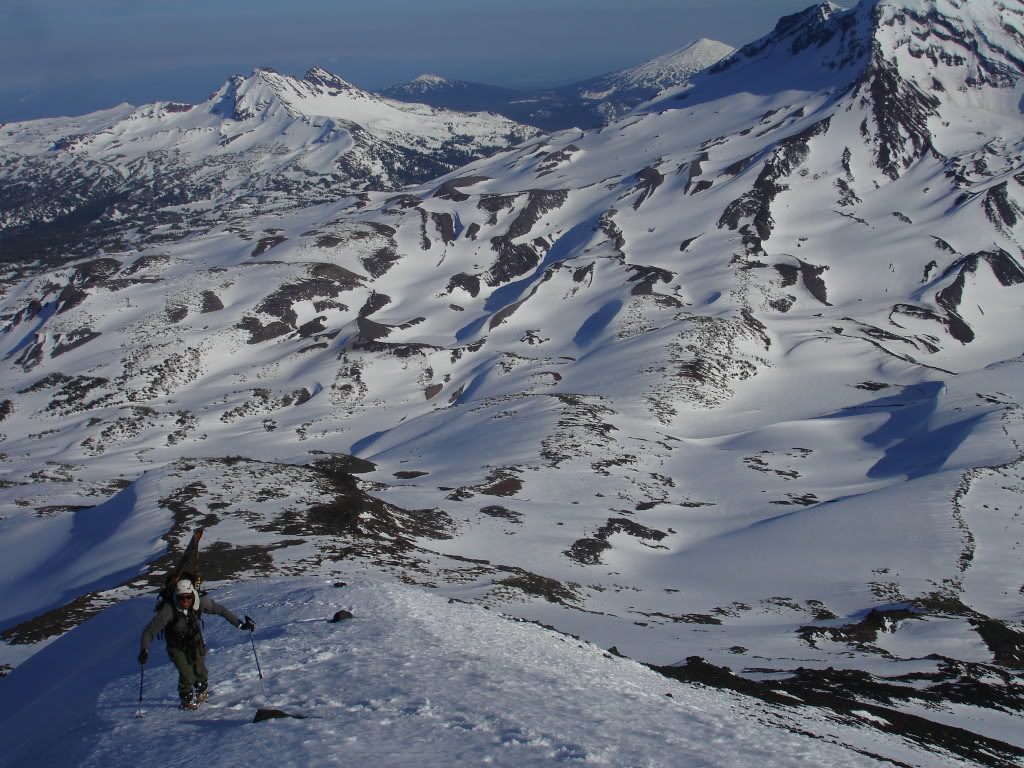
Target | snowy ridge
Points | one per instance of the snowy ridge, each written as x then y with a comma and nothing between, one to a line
733,377
413,679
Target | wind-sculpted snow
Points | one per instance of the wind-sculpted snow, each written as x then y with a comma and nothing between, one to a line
718,379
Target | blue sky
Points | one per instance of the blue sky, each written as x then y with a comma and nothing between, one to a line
73,56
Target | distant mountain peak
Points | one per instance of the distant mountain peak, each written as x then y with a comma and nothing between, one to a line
678,64
320,76
428,83
430,79
814,14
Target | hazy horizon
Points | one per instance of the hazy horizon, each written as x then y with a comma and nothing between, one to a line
63,58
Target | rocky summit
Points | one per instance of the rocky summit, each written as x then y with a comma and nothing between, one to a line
735,378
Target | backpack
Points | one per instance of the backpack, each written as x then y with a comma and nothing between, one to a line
194,618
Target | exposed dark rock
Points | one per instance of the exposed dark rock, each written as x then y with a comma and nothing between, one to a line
355,513
496,510
953,323
686,618
788,155
513,260
65,342
901,112
507,486
371,331
588,551
176,314
374,302
70,297
71,393
539,202
275,714
425,241
1003,266
499,482
1000,208
258,332
341,616
266,243
647,181
449,190
550,589
863,632
684,246
494,204
1006,269
343,464
555,159
646,278
95,270
613,231
403,201
211,302
445,225
1007,645
312,327
810,275
335,274
327,280
380,261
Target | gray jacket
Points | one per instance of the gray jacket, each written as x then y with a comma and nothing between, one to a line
182,629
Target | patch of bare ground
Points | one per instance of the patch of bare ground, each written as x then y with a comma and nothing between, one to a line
552,590
588,551
501,481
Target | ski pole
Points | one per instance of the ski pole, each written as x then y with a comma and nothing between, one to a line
142,680
256,656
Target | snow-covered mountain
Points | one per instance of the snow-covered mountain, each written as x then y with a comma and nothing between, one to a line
585,104
735,377
610,96
449,93
259,142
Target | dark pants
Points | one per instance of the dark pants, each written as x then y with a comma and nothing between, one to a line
192,673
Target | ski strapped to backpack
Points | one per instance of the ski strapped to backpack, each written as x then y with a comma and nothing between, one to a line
187,568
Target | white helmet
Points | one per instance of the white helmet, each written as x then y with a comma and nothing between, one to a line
185,587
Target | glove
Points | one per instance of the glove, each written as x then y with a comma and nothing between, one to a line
143,656
248,624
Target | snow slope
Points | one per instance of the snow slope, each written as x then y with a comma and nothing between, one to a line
412,680
737,376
